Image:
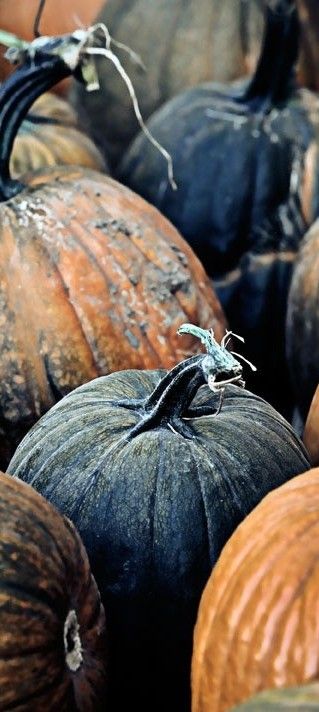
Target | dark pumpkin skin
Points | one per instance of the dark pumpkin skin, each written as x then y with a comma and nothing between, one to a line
155,497
86,269
46,591
200,40
293,699
247,189
302,327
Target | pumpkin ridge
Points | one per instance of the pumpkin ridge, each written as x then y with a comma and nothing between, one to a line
228,593
103,269
34,695
221,592
280,635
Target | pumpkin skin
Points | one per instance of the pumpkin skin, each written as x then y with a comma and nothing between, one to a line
194,36
87,270
302,328
155,504
243,219
50,136
311,432
46,591
257,625
304,698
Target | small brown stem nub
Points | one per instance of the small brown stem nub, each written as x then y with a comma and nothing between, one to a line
72,642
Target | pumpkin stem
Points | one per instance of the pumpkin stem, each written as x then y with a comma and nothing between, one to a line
275,73
43,66
171,399
72,642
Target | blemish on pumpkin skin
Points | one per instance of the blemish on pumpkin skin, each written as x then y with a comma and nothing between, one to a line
132,339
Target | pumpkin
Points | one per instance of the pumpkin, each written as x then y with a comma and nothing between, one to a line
294,699
155,485
50,136
52,623
311,431
86,271
257,625
58,17
244,219
200,40
302,328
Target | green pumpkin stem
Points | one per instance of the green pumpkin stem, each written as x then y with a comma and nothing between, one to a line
39,72
274,76
171,399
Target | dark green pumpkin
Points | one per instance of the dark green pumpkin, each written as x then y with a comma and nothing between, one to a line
247,188
293,699
155,486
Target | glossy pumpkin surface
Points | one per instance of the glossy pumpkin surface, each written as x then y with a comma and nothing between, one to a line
52,623
311,431
294,699
156,488
50,136
257,626
302,328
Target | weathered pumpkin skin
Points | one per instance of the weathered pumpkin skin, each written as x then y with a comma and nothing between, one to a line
257,625
92,280
311,431
86,269
50,136
45,583
201,40
243,219
302,327
294,699
155,507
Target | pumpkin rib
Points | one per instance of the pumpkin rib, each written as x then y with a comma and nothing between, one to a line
224,590
271,556
117,267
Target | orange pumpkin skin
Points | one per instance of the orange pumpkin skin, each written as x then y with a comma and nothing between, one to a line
258,619
311,432
92,280
49,606
61,142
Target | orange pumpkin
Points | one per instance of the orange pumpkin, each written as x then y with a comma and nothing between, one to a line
52,622
258,620
92,278
50,136
311,432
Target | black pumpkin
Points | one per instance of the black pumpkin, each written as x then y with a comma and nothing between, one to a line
200,40
244,196
156,486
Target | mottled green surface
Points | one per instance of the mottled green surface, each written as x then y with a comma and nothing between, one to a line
301,699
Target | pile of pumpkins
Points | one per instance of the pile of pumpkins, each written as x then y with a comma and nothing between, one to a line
158,521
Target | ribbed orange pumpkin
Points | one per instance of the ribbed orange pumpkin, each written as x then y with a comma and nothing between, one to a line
50,136
92,278
258,619
52,623
311,432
